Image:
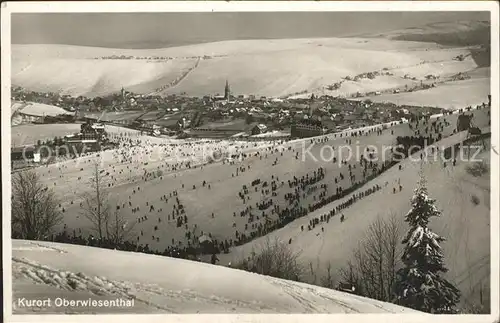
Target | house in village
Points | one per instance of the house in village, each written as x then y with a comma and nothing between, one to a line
170,124
259,129
32,112
151,117
19,117
22,153
351,118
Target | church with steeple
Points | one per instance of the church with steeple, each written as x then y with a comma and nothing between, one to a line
227,94
227,91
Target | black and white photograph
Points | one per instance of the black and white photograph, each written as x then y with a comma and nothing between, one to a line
258,158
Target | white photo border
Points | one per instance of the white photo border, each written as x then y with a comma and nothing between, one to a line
7,8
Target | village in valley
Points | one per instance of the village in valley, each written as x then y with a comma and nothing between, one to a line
218,116
299,186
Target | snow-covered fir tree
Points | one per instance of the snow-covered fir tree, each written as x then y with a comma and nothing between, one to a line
420,285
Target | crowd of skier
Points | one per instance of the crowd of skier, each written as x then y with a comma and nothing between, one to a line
279,202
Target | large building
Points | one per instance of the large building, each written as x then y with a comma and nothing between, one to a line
33,112
307,128
90,138
23,118
90,133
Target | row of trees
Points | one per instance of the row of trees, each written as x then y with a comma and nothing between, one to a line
36,213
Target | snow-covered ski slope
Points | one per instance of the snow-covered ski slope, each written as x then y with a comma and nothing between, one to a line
163,285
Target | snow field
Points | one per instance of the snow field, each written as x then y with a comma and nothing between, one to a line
184,287
292,65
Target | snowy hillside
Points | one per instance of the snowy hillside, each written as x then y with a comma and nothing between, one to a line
42,269
278,67
466,225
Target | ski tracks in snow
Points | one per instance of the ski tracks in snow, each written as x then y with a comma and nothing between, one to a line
69,281
151,295
308,303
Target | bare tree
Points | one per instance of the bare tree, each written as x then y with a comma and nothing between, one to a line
350,275
275,259
392,251
372,269
118,228
328,280
96,205
34,207
313,274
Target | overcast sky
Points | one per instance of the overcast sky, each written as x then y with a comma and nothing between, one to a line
149,30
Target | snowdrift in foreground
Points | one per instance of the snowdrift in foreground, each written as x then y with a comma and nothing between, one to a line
156,284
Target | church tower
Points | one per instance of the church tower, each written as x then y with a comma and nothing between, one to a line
227,91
